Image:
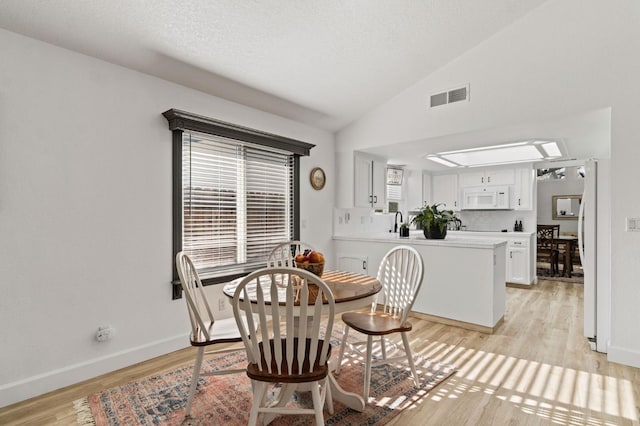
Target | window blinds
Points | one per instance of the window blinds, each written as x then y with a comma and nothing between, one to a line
238,202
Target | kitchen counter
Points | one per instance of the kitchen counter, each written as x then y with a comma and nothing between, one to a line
453,239
464,277
490,233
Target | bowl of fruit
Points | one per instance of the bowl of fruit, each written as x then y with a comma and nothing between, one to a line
311,260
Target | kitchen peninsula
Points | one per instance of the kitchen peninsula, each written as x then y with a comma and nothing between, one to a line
464,278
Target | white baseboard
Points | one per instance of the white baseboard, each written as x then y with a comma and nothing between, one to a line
623,356
42,383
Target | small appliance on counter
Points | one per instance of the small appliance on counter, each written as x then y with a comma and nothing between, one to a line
454,225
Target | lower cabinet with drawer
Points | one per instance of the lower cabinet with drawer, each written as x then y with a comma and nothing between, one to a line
520,255
518,261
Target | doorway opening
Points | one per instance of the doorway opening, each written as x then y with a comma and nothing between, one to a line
559,196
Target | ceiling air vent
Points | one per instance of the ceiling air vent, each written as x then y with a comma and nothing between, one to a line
450,96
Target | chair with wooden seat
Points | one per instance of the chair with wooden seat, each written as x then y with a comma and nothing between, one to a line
547,246
205,330
288,343
400,274
283,254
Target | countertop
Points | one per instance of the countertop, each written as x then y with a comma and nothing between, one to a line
492,234
417,237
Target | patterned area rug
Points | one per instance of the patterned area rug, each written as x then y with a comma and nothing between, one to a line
161,399
544,273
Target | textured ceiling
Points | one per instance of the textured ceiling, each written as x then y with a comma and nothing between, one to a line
322,62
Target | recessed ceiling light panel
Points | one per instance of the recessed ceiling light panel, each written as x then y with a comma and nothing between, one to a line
511,154
442,161
518,152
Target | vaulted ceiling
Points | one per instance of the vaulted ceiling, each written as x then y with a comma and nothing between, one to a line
321,62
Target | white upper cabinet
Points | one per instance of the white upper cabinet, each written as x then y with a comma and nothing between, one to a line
444,190
523,189
487,177
379,184
363,180
369,182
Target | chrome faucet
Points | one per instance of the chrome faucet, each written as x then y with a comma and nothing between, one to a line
395,225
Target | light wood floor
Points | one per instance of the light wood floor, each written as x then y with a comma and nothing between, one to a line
536,369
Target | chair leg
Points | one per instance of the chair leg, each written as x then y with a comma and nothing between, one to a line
383,347
342,345
194,380
317,403
328,399
260,389
412,365
367,369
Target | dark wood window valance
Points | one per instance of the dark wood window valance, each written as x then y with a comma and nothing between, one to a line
181,120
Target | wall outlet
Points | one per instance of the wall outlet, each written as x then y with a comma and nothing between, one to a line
104,333
222,303
633,224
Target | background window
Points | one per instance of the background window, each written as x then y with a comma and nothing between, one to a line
235,195
394,184
237,203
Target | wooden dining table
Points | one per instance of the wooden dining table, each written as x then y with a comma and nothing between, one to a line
351,291
568,243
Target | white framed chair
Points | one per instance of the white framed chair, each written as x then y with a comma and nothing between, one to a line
400,273
289,341
283,254
205,330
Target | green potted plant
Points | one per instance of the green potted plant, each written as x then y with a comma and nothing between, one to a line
434,221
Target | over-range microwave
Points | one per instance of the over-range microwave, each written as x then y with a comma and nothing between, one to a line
486,198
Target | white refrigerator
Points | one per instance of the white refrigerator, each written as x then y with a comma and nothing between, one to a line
587,245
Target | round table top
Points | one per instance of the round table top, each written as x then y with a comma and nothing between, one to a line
346,287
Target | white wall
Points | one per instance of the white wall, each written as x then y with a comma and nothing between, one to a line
85,212
564,58
571,185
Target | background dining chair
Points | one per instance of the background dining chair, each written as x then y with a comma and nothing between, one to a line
289,341
205,330
284,253
400,274
547,247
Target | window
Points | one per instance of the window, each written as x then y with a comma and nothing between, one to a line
394,184
235,195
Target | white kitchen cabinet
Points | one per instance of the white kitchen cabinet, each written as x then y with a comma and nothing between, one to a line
379,184
523,190
369,182
487,177
444,190
520,253
357,264
472,179
518,261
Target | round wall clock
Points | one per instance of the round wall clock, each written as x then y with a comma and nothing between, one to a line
317,178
